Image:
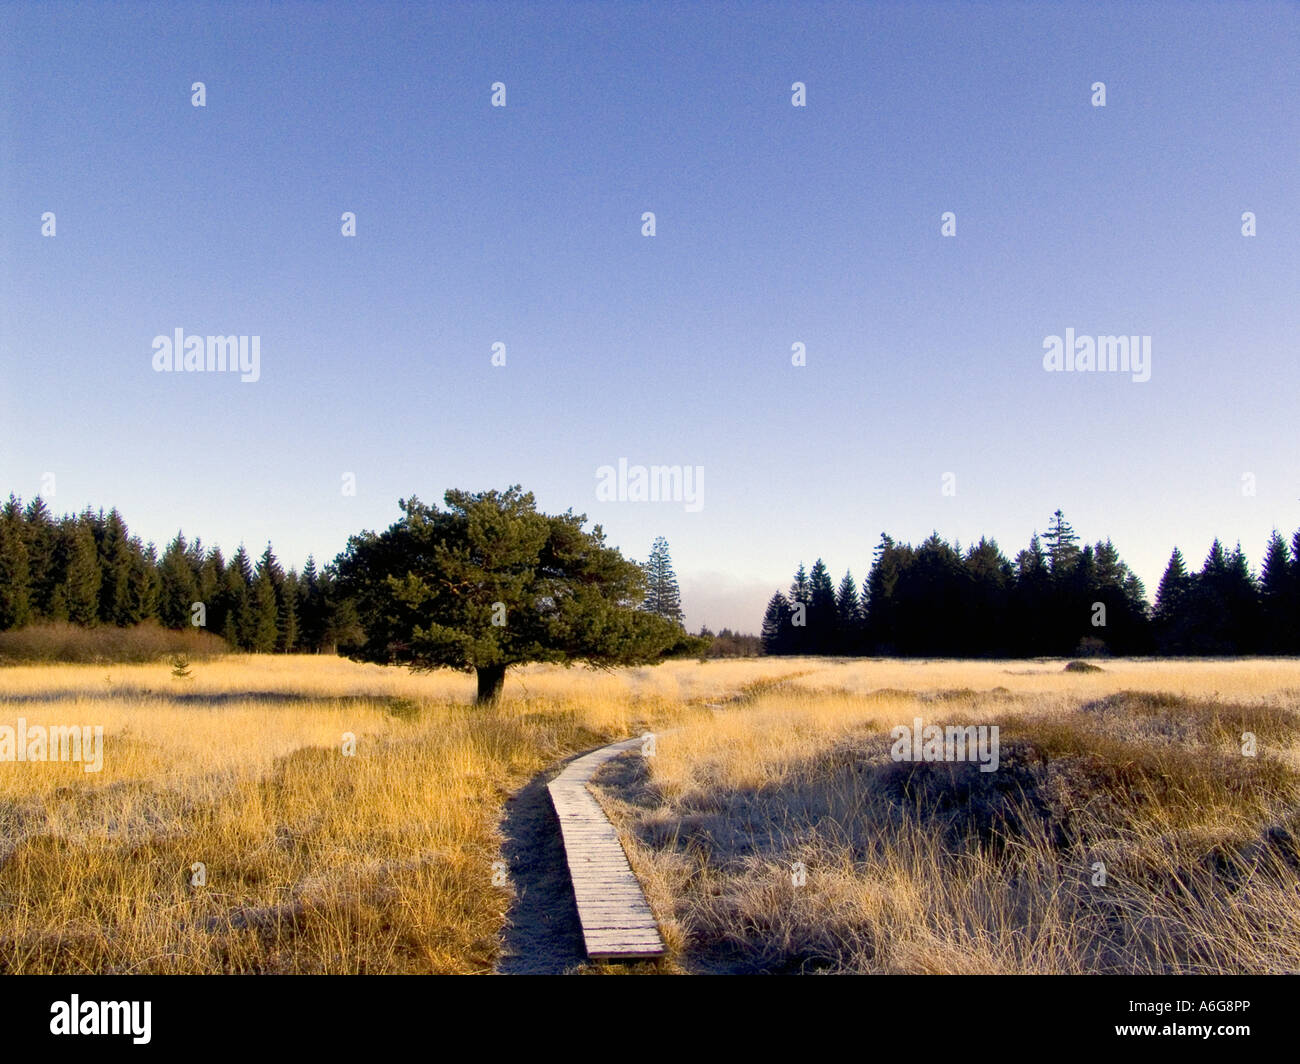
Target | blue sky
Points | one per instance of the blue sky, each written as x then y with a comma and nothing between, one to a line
774,225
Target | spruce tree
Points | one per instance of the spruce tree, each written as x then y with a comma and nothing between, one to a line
178,587
1062,545
987,600
43,571
662,596
15,603
1241,595
1031,601
1275,590
848,610
1293,596
823,617
342,631
81,581
1205,614
888,562
311,611
1122,593
800,597
776,634
265,605
928,619
211,581
240,618
1171,608
287,636
143,584
115,573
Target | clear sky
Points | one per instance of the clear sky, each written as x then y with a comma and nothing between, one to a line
775,224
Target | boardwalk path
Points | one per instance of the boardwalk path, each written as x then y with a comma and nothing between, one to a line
615,916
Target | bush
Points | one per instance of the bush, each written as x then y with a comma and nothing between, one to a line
1092,647
63,642
729,644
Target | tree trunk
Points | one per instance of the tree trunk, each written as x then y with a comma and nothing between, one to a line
491,680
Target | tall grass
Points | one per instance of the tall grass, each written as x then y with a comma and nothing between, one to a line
383,862
315,861
936,867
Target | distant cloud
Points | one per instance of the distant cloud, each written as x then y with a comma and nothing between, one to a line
722,600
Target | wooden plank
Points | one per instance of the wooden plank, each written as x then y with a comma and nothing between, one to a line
617,921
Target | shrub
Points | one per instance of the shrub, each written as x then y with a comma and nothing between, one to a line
147,642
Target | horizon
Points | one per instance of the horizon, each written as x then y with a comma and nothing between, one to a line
254,551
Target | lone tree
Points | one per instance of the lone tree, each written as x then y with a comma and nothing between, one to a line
489,582
663,597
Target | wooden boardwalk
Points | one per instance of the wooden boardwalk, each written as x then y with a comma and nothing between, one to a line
616,919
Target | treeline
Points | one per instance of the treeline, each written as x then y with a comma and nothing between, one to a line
1055,598
729,644
87,569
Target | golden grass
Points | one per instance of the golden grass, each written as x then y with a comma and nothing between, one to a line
940,868
382,862
316,862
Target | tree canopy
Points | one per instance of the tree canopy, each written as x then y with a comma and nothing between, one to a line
490,582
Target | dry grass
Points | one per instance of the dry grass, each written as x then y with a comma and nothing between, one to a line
937,867
316,862
381,862
59,641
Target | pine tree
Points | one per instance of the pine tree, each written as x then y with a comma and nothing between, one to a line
1062,545
239,629
143,584
178,588
776,626
115,573
265,605
929,600
987,599
311,608
243,566
1122,594
1031,601
80,590
888,563
342,620
287,616
1275,589
848,609
211,581
823,616
1241,596
1083,591
663,597
1172,601
799,597
15,603
43,572
1293,596
196,556
1205,613
427,590
268,563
